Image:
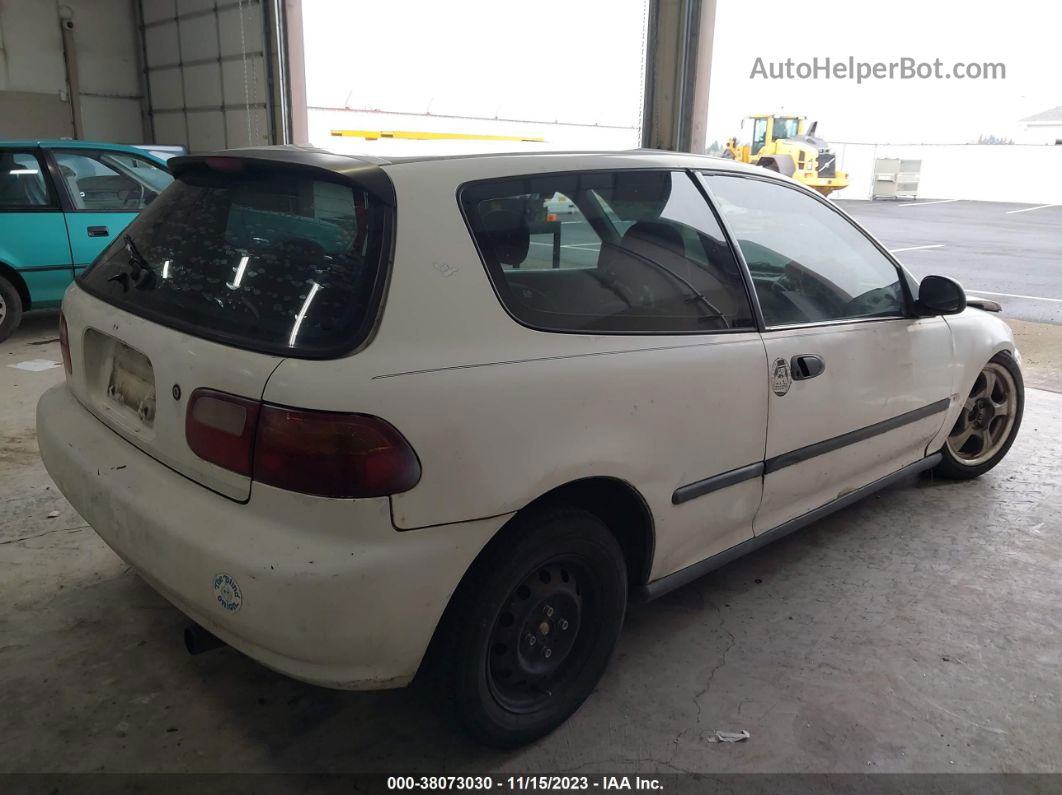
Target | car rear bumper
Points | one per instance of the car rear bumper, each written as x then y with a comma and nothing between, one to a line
325,591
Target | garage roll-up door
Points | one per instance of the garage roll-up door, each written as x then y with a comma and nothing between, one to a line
207,74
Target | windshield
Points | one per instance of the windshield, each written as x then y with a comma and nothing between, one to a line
278,261
785,128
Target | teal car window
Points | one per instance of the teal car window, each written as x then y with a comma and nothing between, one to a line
94,184
22,181
140,169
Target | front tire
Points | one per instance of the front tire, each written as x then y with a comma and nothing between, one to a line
988,423
10,309
531,631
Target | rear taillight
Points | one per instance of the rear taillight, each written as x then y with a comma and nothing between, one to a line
220,428
332,455
64,345
313,452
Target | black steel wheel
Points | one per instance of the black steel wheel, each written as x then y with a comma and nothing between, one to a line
532,628
535,634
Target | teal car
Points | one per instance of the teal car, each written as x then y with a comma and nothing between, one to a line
61,204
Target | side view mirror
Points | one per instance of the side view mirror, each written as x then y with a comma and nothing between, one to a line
939,295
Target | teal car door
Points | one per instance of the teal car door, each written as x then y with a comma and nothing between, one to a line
106,190
33,240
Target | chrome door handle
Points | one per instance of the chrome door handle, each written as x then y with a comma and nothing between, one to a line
98,231
806,365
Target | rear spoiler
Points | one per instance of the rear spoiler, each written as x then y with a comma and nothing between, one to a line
362,171
985,304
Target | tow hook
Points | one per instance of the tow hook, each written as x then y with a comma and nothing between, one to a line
197,640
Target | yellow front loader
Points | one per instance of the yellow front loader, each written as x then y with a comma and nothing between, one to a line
780,144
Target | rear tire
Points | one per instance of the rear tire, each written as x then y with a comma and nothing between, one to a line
10,309
988,423
532,628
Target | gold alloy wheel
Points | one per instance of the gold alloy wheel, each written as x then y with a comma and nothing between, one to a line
987,417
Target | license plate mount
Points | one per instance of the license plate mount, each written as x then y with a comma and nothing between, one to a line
132,383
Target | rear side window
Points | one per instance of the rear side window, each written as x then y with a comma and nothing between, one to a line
279,261
22,183
617,252
102,181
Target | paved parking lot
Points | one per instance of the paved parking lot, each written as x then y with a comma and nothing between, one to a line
1009,252
920,630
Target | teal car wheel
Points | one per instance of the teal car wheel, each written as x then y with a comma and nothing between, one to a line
10,308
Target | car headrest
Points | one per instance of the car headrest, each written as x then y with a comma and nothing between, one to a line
508,234
657,234
640,195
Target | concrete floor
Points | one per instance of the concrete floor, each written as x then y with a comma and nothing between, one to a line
918,631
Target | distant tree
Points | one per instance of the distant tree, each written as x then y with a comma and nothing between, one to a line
714,148
992,139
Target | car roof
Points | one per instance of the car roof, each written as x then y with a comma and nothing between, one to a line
63,143
346,163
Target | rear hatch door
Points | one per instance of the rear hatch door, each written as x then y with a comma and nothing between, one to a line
238,265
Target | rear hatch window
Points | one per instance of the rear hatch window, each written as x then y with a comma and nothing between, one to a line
279,260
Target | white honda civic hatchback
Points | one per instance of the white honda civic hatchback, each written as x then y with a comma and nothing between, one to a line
370,420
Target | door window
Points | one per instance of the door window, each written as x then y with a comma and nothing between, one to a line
809,263
110,181
636,251
759,135
22,182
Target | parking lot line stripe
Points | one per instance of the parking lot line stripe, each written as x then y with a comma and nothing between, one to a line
914,248
1030,209
923,204
975,291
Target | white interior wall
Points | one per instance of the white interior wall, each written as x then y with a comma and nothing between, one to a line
106,40
33,85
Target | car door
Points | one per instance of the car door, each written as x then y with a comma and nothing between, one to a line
33,238
858,385
105,190
640,270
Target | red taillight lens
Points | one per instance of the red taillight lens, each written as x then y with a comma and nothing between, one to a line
332,455
220,428
64,345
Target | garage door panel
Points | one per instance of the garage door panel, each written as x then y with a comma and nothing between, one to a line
244,87
237,121
154,10
206,131
229,28
207,73
166,90
160,45
199,38
169,128
202,85
191,6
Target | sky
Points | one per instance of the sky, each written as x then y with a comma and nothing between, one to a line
582,62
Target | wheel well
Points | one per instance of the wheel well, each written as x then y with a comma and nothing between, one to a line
16,280
623,510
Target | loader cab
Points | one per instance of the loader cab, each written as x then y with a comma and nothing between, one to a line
768,129
786,127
